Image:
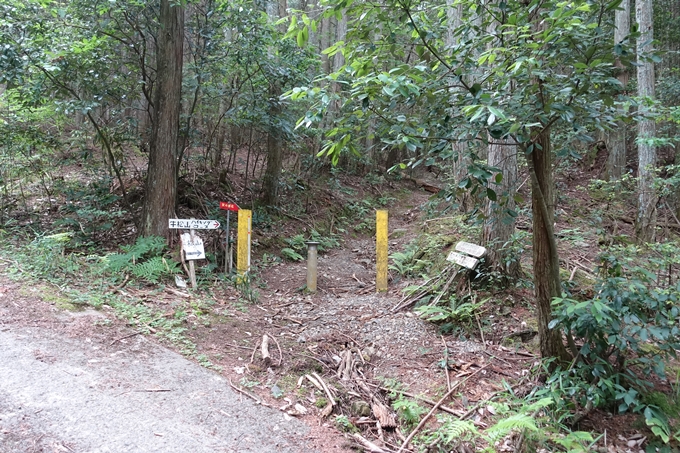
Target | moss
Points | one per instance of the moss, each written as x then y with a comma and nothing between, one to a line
51,296
669,404
321,403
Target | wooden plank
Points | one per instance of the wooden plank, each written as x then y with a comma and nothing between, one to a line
245,228
381,248
471,249
462,260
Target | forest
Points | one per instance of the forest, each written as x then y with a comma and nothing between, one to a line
542,130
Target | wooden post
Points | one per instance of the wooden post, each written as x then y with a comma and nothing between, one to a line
192,268
245,225
381,250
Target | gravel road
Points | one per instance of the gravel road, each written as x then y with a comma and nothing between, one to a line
64,394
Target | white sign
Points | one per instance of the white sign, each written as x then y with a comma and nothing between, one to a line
193,224
192,246
462,260
471,249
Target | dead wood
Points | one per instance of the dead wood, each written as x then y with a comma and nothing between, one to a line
346,365
278,346
248,394
124,337
177,293
434,409
264,349
383,414
370,446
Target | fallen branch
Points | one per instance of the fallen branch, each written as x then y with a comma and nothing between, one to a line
177,293
153,390
124,337
279,348
370,446
434,409
331,398
248,394
421,398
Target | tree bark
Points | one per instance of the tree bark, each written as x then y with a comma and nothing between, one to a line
340,35
646,215
270,185
616,160
325,36
499,226
161,180
460,154
545,258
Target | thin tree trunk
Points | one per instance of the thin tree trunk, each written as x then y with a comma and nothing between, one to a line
460,156
616,160
646,216
325,36
270,185
545,258
161,181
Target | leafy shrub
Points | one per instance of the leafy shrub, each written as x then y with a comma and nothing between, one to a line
297,245
409,411
458,311
624,333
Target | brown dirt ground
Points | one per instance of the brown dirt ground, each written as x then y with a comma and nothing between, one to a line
311,332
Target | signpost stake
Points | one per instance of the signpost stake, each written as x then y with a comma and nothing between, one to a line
311,266
228,256
227,250
381,250
192,268
245,219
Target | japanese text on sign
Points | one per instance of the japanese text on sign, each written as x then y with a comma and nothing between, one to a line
193,247
193,224
228,206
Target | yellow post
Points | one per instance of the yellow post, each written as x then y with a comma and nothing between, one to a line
245,226
381,250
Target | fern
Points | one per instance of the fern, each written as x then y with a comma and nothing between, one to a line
153,269
143,259
291,254
459,431
518,422
152,245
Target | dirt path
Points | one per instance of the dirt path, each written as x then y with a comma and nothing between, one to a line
64,393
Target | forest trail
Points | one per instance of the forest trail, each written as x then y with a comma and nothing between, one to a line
62,393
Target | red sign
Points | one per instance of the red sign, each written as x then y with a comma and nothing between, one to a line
228,206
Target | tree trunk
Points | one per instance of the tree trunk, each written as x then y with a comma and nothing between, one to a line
499,226
161,180
270,185
545,258
325,36
340,35
646,215
616,160
460,154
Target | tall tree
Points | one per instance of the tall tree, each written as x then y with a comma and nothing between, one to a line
499,206
499,224
645,223
616,160
161,179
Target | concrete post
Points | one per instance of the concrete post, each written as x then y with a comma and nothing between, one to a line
311,265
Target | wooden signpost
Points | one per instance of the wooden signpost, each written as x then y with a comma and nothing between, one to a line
381,250
192,244
245,228
229,207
